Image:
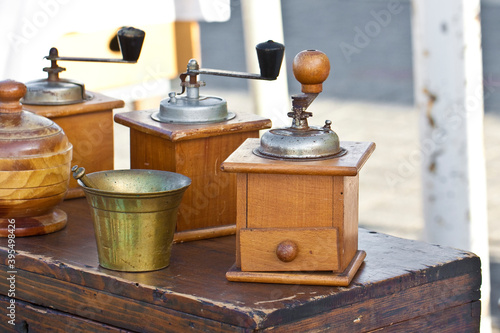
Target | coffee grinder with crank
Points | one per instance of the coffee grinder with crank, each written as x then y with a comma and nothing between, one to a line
86,117
297,196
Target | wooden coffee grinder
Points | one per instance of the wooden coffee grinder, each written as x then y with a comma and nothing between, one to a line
192,135
297,196
86,117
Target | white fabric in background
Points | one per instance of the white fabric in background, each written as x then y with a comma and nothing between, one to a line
28,28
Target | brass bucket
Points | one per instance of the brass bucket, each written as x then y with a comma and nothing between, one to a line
134,214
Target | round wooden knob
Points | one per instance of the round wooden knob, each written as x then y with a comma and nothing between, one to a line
287,251
311,68
10,93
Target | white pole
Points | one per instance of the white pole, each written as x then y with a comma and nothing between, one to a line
262,22
448,78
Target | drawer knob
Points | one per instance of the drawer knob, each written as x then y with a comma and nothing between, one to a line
287,251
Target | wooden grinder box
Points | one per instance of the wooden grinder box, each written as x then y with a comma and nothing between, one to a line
313,204
208,207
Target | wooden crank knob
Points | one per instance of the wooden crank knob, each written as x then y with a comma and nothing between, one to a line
311,68
10,93
287,251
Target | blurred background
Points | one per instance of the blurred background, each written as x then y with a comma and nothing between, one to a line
369,95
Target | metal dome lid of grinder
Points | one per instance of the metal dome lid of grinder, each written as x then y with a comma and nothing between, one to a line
300,141
194,108
54,90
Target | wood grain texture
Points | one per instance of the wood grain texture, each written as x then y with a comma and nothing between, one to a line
205,233
37,183
311,68
37,162
401,281
342,279
34,178
32,318
33,192
456,319
241,211
29,207
211,198
142,121
349,239
26,135
339,201
151,152
244,160
42,224
10,93
125,313
317,249
301,201
92,137
294,201
374,315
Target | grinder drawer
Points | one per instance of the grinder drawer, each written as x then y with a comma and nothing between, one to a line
280,249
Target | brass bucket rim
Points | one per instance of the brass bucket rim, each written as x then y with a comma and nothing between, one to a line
151,194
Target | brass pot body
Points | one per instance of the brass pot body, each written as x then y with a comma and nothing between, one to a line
135,214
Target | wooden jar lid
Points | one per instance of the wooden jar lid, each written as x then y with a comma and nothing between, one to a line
24,134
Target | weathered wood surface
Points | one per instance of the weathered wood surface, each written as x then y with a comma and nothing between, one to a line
402,283
35,319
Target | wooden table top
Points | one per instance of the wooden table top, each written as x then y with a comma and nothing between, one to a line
400,279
